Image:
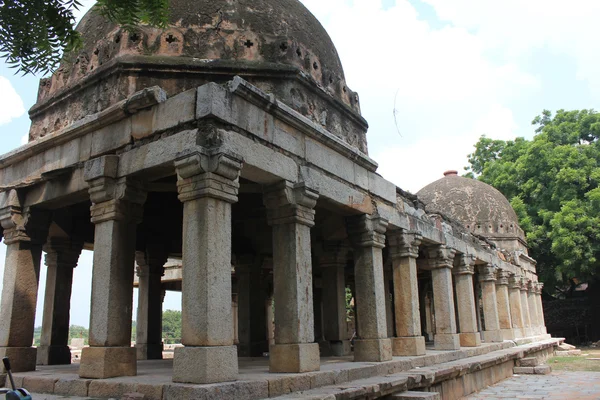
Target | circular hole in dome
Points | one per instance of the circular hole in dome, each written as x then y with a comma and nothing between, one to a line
315,66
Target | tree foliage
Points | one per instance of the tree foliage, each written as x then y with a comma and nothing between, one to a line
552,183
34,34
171,326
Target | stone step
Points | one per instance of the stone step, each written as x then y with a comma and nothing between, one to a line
537,370
410,395
528,362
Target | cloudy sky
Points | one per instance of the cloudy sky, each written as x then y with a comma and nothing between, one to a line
433,76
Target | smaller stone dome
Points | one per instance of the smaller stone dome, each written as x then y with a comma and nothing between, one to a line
481,208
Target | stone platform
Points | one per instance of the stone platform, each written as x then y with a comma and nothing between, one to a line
452,373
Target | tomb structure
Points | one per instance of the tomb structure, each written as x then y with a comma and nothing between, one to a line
231,143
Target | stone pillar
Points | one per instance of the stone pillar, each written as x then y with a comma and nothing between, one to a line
516,309
487,279
404,251
366,233
465,297
503,305
252,314
150,269
388,282
290,211
527,331
441,261
533,307
207,185
62,255
23,236
332,263
116,210
540,307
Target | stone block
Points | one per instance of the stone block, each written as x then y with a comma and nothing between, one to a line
289,384
39,384
528,362
411,395
507,334
205,364
22,359
493,336
107,362
72,387
372,350
151,391
408,346
101,167
446,341
524,370
470,339
53,355
133,396
303,357
110,389
341,348
542,370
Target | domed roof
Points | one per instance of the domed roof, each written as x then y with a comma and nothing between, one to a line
477,205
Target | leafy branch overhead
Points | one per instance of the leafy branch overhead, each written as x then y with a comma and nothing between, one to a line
34,34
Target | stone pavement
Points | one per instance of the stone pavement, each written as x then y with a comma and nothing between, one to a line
563,385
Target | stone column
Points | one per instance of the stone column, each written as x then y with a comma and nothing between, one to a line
290,211
116,210
540,307
62,255
533,307
366,233
207,185
516,309
404,251
441,261
333,263
23,236
527,331
503,305
487,279
150,269
465,297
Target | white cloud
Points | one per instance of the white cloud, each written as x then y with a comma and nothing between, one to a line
11,105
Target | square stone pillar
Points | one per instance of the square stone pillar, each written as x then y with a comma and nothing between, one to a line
366,233
527,330
252,316
533,307
62,255
117,208
150,269
404,251
516,309
24,233
503,305
441,259
332,263
465,298
487,279
207,184
290,211
540,308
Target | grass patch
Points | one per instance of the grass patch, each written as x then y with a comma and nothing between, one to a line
577,363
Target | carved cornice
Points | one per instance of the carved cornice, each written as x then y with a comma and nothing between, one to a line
466,265
367,230
289,203
404,244
208,174
441,256
487,273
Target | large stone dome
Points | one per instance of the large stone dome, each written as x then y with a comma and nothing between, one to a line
277,45
478,206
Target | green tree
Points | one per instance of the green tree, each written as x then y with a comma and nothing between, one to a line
171,328
77,331
35,33
552,183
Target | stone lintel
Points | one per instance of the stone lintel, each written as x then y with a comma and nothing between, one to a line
208,174
367,230
289,203
441,256
404,244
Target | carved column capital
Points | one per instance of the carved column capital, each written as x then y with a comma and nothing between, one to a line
466,265
441,256
23,224
487,273
335,254
150,262
404,244
116,199
540,287
367,230
532,286
501,277
514,281
62,252
208,175
524,284
289,203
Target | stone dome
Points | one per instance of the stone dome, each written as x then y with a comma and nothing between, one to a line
481,208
